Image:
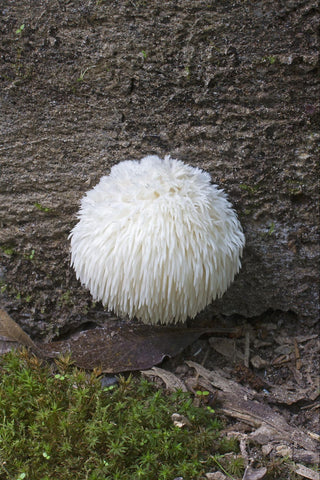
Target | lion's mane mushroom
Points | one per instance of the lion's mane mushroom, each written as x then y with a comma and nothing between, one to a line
156,240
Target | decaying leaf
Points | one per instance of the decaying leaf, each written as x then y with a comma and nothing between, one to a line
238,402
218,380
227,348
254,473
180,421
307,472
120,346
172,382
11,332
288,394
216,476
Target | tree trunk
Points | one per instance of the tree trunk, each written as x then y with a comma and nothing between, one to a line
230,87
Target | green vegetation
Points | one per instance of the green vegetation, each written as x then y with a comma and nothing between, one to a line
202,393
30,256
41,207
8,251
271,59
65,299
271,228
251,190
20,29
236,467
83,73
57,422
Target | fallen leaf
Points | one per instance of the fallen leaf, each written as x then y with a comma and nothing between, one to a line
172,382
306,472
288,394
216,476
116,347
258,362
217,378
237,401
180,421
11,332
283,451
120,346
227,348
254,473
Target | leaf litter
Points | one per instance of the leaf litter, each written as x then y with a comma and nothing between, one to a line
116,347
119,346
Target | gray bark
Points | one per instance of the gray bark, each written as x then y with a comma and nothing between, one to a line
231,87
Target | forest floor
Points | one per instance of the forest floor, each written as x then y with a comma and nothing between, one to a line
104,80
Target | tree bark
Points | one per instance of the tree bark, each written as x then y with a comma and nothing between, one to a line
230,87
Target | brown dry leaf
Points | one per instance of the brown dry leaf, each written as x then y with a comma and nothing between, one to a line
227,348
6,346
195,383
180,421
254,473
237,402
11,332
258,414
172,382
288,394
258,362
216,476
218,380
306,472
120,346
117,347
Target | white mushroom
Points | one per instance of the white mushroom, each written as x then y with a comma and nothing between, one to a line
156,240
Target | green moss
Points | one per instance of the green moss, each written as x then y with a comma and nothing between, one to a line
65,299
252,190
230,465
58,423
9,251
41,208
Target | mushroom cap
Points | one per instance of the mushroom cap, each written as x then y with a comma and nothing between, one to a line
156,240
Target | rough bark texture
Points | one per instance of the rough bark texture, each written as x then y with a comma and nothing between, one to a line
231,87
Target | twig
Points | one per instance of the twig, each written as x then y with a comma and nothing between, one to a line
311,407
202,363
306,472
297,355
247,349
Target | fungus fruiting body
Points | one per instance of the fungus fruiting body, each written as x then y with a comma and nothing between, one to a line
156,240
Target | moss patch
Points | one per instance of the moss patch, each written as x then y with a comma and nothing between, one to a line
59,423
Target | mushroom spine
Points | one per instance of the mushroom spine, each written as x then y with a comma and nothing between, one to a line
156,240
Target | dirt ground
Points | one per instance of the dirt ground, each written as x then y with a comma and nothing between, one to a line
231,87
